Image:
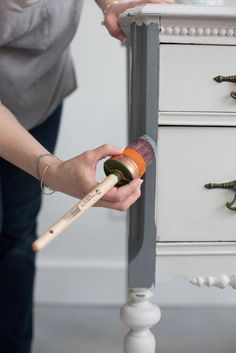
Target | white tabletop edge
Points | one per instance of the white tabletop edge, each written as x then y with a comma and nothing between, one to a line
156,10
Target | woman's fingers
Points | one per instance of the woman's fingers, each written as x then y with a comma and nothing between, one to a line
121,193
104,151
111,19
121,205
122,198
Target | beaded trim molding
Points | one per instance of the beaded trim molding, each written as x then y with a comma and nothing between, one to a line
198,31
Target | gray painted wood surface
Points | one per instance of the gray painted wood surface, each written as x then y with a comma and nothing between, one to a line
144,48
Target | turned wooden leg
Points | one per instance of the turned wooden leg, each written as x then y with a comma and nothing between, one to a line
140,314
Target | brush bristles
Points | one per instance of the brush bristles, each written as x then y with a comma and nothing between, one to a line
145,147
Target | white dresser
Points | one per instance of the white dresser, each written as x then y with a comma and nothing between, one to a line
178,55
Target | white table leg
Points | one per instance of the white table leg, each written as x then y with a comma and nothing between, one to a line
140,314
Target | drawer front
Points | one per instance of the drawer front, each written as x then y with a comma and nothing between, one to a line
186,78
188,158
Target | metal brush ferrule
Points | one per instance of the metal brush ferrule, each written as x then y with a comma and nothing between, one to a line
124,166
129,164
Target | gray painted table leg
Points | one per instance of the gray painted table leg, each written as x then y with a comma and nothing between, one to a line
140,314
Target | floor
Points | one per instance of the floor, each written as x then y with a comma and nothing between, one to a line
99,330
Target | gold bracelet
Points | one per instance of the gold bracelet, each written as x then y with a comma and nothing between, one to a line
42,185
110,5
41,177
38,163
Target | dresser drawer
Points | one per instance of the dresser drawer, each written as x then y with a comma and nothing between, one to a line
186,78
188,158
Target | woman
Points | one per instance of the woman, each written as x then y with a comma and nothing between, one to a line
36,74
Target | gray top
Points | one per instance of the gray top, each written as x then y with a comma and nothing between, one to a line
36,70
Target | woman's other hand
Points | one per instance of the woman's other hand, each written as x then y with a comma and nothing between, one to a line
111,17
77,177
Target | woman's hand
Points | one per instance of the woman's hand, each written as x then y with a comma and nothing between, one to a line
77,177
111,18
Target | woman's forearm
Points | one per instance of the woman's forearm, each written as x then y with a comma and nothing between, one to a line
17,145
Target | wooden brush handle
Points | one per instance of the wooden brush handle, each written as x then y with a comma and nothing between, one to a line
83,205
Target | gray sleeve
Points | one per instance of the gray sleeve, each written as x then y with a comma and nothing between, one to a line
18,17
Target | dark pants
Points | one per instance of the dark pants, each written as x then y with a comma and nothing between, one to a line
20,199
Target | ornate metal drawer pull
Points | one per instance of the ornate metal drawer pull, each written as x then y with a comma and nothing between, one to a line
231,79
233,94
221,78
229,185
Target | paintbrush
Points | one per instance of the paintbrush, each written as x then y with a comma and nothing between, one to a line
120,170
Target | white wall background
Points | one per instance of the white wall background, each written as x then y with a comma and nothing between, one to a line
87,263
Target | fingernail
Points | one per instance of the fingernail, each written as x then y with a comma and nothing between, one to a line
122,38
139,182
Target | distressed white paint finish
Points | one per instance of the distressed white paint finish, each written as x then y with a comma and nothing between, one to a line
175,11
193,260
186,78
221,282
189,158
140,314
197,119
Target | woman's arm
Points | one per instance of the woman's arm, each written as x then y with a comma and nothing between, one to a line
112,10
75,177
